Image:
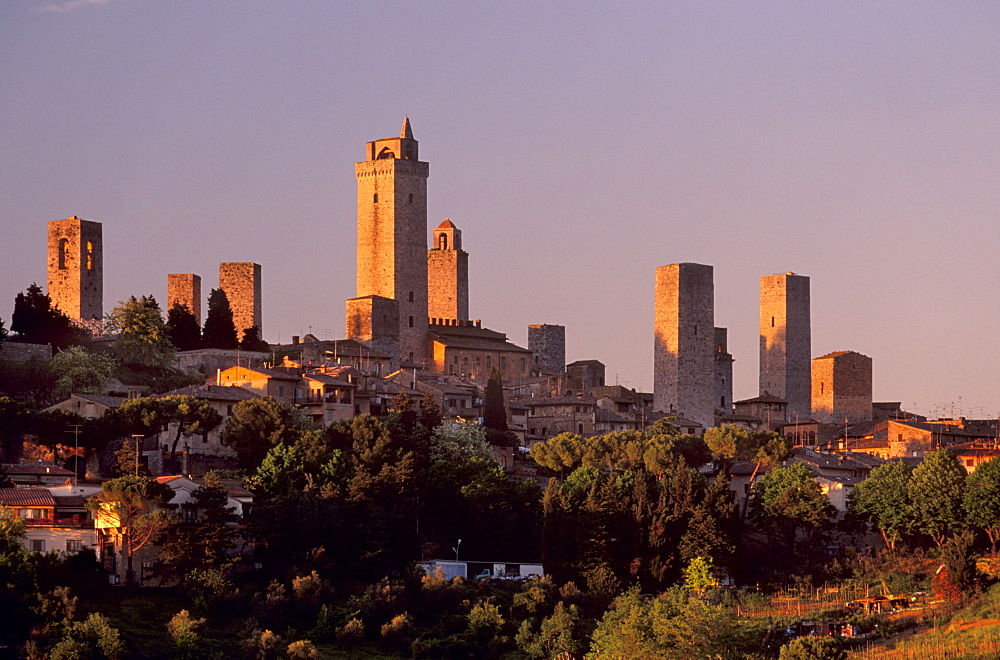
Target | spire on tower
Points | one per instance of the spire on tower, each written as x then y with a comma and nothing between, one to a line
406,131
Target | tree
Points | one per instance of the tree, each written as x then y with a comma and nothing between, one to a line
883,498
132,507
763,448
219,331
460,444
255,426
251,341
787,500
191,415
143,338
812,648
36,321
936,491
205,544
182,328
78,370
700,575
982,500
94,637
494,410
3,332
959,557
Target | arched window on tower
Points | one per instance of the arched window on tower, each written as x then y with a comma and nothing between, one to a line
442,241
411,300
90,256
375,198
63,253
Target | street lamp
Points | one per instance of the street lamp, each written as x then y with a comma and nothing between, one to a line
456,548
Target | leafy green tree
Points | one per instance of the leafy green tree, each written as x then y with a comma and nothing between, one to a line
936,490
191,416
143,338
18,577
289,468
730,442
460,444
700,575
556,637
182,328
132,507
36,321
982,500
94,637
430,411
31,380
883,498
219,331
185,631
255,426
206,544
788,500
562,454
959,556
813,648
78,370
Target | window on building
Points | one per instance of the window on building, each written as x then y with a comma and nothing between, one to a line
722,402
90,256
229,411
411,296
543,430
822,387
580,429
443,242
411,198
522,364
74,545
489,361
969,462
772,321
37,545
411,325
281,390
375,198
503,362
63,253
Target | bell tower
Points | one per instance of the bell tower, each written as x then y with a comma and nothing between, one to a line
392,236
447,274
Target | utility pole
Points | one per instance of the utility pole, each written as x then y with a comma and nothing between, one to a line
76,448
137,436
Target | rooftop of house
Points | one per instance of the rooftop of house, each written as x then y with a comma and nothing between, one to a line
18,469
211,392
26,497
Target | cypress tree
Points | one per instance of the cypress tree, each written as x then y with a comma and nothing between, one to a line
182,328
220,331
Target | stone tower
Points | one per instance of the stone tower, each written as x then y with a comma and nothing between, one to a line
684,345
447,274
842,388
76,268
392,235
723,372
548,345
241,282
185,289
785,343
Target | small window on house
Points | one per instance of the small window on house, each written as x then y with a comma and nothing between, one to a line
74,545
522,364
375,198
969,462
580,429
411,352
37,545
229,411
899,437
503,362
544,429
281,390
489,361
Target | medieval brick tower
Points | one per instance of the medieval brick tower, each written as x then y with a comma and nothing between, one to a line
76,268
241,282
392,241
723,372
683,352
447,274
785,344
548,345
842,388
185,289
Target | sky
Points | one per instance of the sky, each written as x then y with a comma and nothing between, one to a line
577,145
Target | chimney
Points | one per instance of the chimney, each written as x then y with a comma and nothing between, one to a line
295,339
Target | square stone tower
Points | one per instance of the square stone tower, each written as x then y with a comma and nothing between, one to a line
241,282
76,268
447,274
185,289
684,344
723,372
548,345
785,342
392,235
842,388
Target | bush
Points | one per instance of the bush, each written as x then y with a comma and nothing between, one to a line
812,648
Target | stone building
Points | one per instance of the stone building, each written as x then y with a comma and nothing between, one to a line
547,344
785,341
589,373
447,274
241,282
723,372
465,348
392,244
76,268
684,345
842,387
185,289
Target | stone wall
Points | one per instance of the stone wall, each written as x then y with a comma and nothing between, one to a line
12,350
374,320
185,289
76,268
785,341
684,342
448,284
241,282
548,345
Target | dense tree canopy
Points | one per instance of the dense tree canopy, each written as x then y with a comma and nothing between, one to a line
36,321
883,498
219,330
936,490
79,370
982,500
143,338
182,328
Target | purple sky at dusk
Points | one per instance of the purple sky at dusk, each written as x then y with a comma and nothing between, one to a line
577,145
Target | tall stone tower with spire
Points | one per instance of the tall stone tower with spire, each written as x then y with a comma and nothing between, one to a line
392,247
447,274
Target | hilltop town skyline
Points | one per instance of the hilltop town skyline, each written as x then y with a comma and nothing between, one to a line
565,212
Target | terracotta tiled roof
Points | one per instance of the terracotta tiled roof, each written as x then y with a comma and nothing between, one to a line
26,497
18,469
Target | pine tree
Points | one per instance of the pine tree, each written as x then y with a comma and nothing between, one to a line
220,331
36,321
182,327
251,340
